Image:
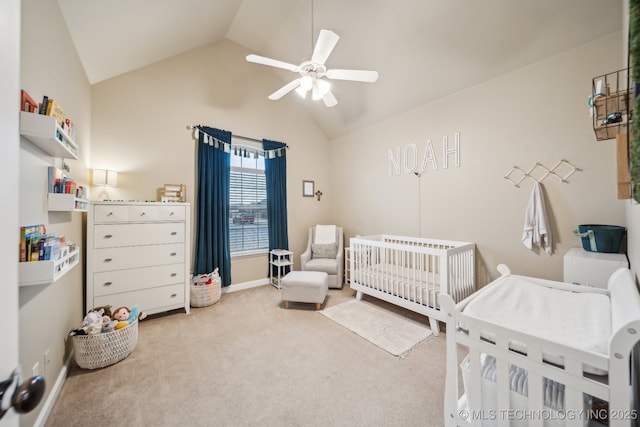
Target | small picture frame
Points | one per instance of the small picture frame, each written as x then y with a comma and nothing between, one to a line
308,188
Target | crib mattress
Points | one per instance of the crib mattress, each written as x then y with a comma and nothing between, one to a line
576,319
394,272
413,284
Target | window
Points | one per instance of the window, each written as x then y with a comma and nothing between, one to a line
248,225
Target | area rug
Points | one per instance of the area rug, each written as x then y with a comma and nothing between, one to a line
389,331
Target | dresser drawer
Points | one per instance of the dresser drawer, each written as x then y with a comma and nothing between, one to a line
108,259
116,235
113,282
110,213
150,301
139,213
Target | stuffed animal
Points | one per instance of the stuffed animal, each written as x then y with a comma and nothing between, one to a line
125,316
91,324
121,315
108,325
106,308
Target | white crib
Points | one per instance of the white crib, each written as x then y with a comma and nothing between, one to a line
561,381
412,272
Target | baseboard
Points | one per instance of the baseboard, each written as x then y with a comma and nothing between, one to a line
47,407
245,285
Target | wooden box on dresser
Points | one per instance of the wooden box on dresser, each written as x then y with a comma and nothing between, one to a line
138,253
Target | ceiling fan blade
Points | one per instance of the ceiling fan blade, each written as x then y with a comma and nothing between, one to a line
272,62
326,42
355,75
284,90
329,100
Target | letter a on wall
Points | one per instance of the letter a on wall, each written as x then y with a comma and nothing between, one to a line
429,157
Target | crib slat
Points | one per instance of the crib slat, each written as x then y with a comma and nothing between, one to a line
535,386
474,393
573,398
502,382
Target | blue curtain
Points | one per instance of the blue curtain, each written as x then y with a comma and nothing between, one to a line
212,209
275,169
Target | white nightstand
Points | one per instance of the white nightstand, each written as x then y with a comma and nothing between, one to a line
282,261
591,268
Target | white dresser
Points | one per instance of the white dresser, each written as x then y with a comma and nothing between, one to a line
138,253
591,268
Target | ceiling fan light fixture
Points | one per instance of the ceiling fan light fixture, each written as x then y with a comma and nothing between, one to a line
324,86
306,83
315,93
320,89
301,91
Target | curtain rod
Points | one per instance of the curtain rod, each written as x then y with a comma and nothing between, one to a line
246,138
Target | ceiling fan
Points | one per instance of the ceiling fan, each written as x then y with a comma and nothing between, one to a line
313,72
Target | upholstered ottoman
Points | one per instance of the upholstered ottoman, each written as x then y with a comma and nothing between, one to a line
305,286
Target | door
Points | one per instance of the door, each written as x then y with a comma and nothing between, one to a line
9,223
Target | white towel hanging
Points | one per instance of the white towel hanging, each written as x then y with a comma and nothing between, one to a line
537,229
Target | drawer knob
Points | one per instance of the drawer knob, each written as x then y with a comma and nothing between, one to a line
171,214
108,260
108,283
110,213
143,213
174,274
173,233
173,254
174,295
108,236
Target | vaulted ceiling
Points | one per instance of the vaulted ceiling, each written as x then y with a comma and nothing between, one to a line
423,50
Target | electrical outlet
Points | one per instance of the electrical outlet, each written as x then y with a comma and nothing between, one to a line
35,371
47,360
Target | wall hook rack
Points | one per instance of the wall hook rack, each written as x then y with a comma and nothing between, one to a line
516,175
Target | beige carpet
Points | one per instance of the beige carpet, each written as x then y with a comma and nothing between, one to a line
389,331
248,361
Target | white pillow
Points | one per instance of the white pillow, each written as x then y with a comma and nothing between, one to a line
325,234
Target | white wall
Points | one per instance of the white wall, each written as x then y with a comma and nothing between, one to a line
49,66
9,152
139,128
536,114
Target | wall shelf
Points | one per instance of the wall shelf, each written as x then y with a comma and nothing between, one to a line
44,132
44,272
612,103
61,202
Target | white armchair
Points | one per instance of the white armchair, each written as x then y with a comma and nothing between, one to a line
322,254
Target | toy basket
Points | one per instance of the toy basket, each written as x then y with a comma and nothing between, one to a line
601,238
100,350
205,295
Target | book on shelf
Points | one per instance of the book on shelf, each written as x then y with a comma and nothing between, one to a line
55,178
43,105
27,103
51,248
81,192
37,245
26,233
68,127
55,110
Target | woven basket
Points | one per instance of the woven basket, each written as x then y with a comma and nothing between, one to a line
100,350
205,295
